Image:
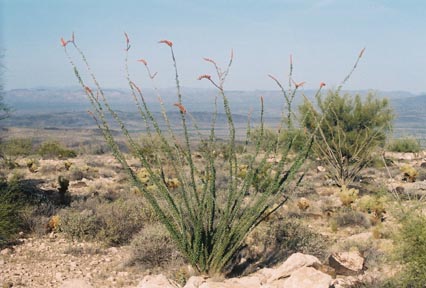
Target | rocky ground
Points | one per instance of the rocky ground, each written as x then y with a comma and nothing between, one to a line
54,260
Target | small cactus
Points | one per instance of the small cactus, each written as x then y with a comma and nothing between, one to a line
63,184
67,165
242,170
32,165
410,173
172,183
64,196
303,204
348,196
54,223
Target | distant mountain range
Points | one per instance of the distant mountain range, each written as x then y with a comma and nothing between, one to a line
42,100
65,107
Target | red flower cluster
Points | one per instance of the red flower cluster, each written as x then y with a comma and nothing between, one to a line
143,61
167,42
205,76
65,43
181,108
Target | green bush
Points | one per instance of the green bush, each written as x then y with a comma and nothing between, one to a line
347,131
279,140
411,243
17,147
17,197
404,145
53,149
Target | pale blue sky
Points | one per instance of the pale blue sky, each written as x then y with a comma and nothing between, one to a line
324,36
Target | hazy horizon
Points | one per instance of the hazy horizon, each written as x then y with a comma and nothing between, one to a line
324,37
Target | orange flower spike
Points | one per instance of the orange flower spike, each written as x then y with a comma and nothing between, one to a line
136,86
273,78
205,76
127,38
209,60
299,84
322,84
63,42
143,61
167,42
181,108
88,90
361,53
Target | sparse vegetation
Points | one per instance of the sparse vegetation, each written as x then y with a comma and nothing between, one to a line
21,209
412,251
53,149
207,223
404,145
110,222
153,247
347,131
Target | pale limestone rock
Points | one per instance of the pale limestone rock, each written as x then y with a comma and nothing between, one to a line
156,281
347,263
76,283
195,282
244,282
293,263
345,282
307,277
320,169
264,274
6,251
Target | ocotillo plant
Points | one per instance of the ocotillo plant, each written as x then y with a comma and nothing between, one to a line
207,221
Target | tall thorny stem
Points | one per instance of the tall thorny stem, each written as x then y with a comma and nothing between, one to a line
209,225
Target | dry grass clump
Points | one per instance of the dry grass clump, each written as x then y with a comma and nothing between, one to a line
349,217
110,220
275,240
153,247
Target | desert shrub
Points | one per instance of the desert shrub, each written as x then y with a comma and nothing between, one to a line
53,149
22,208
373,205
349,217
279,140
150,146
207,221
411,250
79,224
76,173
348,195
16,147
273,241
409,173
153,247
404,145
113,223
9,216
120,220
347,131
